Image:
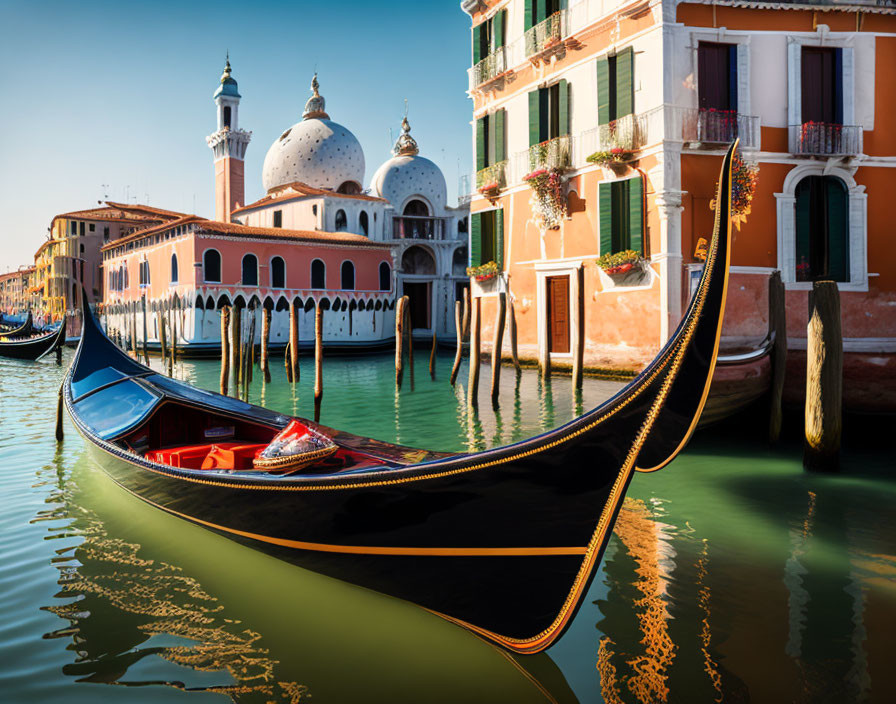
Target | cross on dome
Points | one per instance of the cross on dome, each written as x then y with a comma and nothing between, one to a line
316,105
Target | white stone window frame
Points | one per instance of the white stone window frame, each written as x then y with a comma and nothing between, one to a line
857,223
544,270
744,94
795,78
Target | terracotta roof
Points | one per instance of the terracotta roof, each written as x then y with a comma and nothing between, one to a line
147,209
228,228
234,229
303,190
869,6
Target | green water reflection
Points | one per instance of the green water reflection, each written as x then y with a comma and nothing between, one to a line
732,575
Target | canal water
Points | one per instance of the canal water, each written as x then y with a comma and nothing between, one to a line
732,575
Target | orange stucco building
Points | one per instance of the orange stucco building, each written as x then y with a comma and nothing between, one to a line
653,92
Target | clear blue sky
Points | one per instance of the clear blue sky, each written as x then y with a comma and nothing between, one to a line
120,93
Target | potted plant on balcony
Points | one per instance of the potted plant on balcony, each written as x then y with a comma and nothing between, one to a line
490,190
615,158
744,178
626,267
548,201
483,272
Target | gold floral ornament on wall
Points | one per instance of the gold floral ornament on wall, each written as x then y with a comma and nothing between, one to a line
744,178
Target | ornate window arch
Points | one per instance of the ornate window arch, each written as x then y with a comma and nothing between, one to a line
857,211
249,270
278,272
211,266
318,274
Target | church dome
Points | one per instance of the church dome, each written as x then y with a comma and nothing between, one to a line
315,151
408,174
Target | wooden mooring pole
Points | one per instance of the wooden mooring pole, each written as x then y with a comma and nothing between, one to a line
824,379
236,320
145,348
432,357
318,361
410,330
225,348
294,371
475,352
511,323
265,341
777,320
578,326
163,338
497,345
399,339
459,328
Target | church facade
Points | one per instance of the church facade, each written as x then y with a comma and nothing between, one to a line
315,239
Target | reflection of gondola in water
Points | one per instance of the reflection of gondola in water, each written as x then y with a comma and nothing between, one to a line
503,541
135,585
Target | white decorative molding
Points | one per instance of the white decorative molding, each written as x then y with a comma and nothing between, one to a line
857,227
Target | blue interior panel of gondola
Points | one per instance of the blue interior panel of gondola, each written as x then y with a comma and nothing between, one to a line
118,408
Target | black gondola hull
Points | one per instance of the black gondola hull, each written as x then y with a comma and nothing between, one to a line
32,348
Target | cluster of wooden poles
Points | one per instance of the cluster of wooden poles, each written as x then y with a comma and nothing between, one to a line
238,351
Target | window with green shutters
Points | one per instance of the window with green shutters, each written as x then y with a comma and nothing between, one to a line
489,36
822,229
615,86
487,238
491,145
549,126
621,217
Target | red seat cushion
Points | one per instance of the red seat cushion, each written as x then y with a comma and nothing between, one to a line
222,455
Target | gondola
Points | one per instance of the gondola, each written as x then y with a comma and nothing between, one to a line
35,347
22,330
504,542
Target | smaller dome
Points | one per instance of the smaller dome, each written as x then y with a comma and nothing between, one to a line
408,174
316,105
228,83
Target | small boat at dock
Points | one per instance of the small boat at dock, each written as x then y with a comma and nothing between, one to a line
504,542
33,347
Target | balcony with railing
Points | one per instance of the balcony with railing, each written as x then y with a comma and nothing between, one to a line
490,68
708,128
825,139
494,176
545,35
418,227
550,154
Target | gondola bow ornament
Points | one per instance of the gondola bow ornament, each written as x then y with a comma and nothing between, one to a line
503,542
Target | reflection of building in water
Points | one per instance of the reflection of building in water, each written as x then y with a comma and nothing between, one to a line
119,602
644,674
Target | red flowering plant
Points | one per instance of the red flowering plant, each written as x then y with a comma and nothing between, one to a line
744,178
548,202
490,190
483,272
614,155
620,262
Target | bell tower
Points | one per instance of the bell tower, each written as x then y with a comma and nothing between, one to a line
228,144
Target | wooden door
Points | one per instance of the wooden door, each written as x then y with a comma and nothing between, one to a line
558,314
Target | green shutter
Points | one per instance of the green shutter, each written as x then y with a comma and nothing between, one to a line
541,11
530,14
499,238
838,229
490,140
803,195
603,91
605,216
476,239
500,23
635,218
480,144
625,83
477,44
563,92
534,118
499,136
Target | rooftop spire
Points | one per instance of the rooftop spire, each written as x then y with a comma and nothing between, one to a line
316,105
405,145
228,83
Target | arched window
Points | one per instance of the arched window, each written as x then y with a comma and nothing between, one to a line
144,273
347,276
385,276
416,207
250,270
278,273
341,221
174,268
227,116
822,229
318,274
211,265
363,222
349,187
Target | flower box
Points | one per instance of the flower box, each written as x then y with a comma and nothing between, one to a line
626,268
